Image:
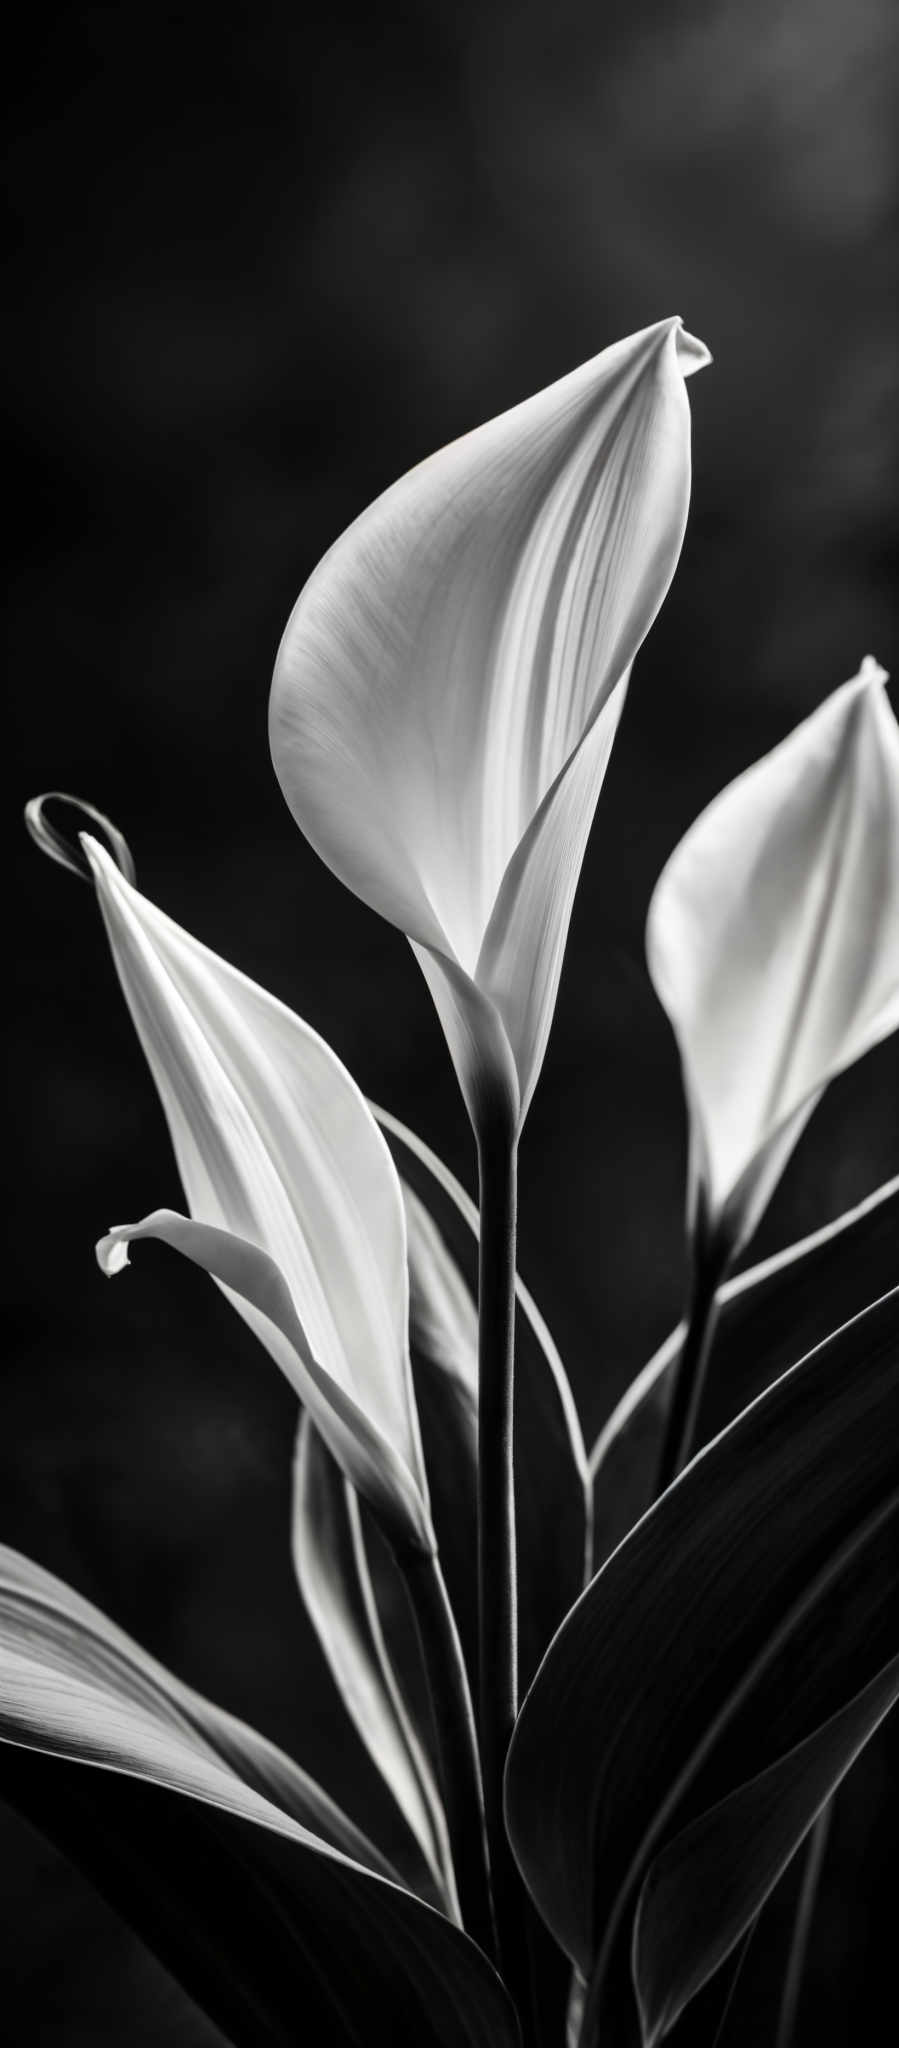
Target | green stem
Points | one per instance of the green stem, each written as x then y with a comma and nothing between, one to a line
690,1371
457,1749
815,1847
497,1599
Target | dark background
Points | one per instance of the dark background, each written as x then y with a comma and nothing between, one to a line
262,264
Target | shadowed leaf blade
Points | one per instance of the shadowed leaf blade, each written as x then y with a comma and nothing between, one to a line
746,1608
705,1889
276,1931
769,1316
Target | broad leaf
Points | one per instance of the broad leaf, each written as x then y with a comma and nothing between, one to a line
705,1889
60,1652
552,1482
215,1847
769,1316
748,1606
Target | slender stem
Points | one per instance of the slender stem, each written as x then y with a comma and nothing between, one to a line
457,1748
690,1371
497,1605
497,1595
805,1907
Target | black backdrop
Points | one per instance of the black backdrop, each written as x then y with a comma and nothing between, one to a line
262,264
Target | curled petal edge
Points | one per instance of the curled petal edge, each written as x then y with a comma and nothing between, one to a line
244,1270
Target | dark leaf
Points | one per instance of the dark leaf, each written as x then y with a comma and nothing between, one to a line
705,1889
749,1605
770,1315
278,1934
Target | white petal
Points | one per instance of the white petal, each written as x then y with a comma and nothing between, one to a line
449,656
259,1291
773,940
275,1146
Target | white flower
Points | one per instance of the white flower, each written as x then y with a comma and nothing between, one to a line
449,685
773,943
295,1204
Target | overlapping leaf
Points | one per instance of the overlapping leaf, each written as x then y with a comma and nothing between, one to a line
769,1316
709,1883
335,1582
269,1905
749,1606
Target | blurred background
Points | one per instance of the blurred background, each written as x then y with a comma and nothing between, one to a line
261,265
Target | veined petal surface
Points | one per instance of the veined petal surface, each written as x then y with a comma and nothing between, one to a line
773,941
295,1202
451,657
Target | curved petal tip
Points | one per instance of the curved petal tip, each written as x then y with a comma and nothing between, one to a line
871,672
112,1253
692,353
57,847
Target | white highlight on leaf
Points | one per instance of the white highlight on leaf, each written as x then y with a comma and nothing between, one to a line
75,1685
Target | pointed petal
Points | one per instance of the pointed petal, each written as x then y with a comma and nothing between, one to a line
773,940
333,1576
258,1289
748,1605
276,1146
450,654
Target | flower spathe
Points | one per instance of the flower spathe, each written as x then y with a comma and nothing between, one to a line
449,684
295,1204
773,944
